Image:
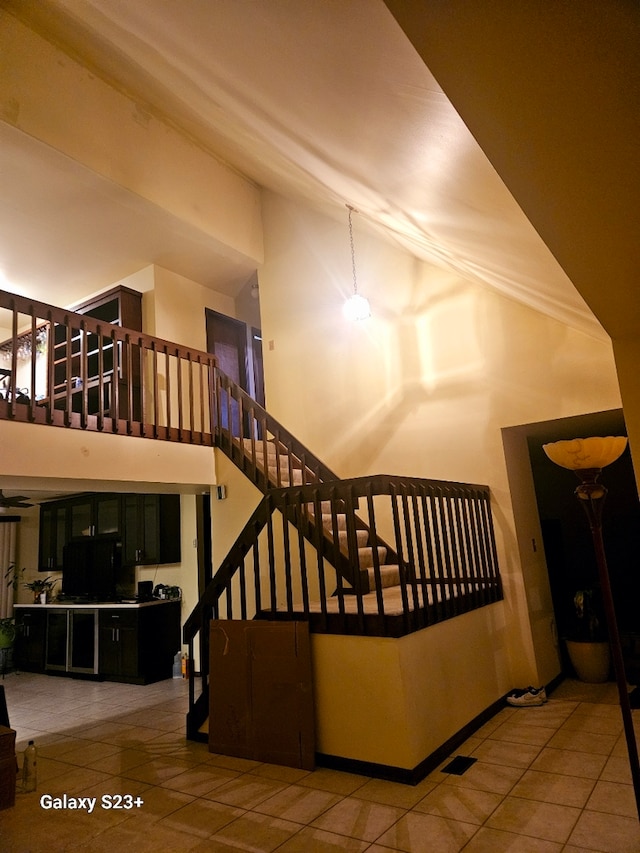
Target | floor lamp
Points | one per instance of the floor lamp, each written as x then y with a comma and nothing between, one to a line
587,457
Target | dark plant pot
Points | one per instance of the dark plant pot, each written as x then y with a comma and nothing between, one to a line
591,661
6,638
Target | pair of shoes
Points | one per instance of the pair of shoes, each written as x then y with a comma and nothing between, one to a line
527,697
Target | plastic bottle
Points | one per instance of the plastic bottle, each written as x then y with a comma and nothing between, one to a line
177,666
30,768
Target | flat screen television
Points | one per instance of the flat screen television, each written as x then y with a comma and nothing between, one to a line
91,568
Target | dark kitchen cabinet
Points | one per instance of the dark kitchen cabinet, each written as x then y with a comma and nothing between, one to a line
31,629
151,525
118,643
139,645
136,645
120,306
71,640
148,525
53,536
94,515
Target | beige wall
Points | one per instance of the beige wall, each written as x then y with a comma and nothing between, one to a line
121,140
425,386
395,702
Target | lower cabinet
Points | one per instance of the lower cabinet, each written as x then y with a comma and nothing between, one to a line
135,645
31,634
139,645
72,640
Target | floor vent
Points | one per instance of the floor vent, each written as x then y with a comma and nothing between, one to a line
459,765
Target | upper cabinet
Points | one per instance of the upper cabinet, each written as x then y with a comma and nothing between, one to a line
120,306
151,529
149,526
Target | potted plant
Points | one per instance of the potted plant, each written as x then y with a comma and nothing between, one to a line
588,644
7,632
41,588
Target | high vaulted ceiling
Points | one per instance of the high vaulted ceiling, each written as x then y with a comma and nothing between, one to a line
322,100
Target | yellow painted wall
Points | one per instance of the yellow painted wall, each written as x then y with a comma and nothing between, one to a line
394,702
424,387
118,138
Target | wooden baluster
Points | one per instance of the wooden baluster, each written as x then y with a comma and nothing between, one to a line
51,374
32,378
373,539
191,397
68,374
337,553
273,592
285,513
167,388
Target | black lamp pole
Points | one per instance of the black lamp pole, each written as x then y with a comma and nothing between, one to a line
591,495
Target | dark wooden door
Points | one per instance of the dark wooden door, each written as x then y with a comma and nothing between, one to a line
227,340
238,350
260,692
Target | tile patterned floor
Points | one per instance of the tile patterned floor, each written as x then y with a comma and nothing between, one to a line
553,778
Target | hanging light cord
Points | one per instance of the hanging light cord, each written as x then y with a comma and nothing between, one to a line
353,254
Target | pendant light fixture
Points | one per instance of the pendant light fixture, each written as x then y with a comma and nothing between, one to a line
356,307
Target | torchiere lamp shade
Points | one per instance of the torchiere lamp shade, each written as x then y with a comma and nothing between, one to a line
580,453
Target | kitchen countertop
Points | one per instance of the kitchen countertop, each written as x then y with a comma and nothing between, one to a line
95,605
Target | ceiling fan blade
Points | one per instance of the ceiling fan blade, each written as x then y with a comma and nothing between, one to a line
17,500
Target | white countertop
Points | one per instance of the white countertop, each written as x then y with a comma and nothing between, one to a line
93,605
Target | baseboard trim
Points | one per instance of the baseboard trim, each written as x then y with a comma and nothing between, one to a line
418,773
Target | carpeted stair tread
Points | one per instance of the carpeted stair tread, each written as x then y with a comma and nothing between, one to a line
362,537
389,576
365,556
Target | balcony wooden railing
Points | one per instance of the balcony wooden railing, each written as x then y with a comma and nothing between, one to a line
67,369
441,532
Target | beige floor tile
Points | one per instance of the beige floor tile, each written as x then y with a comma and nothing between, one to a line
497,752
158,770
547,821
570,763
201,817
422,833
280,773
133,834
246,791
393,794
243,765
597,724
359,819
298,804
606,833
89,752
199,780
496,841
310,840
521,733
613,798
160,802
465,804
120,761
553,788
254,832
583,741
617,769
76,779
496,778
334,781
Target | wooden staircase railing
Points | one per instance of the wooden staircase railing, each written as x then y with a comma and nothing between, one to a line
272,458
442,533
65,369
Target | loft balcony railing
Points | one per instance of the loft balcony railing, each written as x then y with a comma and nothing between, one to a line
282,565
66,369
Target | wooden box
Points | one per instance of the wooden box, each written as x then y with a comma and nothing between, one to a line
7,767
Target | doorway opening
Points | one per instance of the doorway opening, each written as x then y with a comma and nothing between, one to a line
539,487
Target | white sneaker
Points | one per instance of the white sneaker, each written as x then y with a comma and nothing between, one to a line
527,697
